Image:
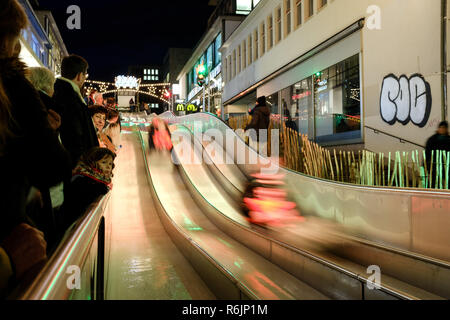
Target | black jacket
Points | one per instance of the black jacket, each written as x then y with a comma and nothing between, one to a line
260,118
79,195
47,101
437,143
34,156
78,134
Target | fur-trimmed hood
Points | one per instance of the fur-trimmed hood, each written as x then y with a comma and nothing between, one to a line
11,68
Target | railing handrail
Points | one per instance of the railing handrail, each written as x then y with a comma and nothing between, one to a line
51,282
392,136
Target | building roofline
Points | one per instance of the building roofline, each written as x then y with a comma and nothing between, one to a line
56,30
200,47
248,19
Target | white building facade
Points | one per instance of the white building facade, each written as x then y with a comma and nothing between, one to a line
347,71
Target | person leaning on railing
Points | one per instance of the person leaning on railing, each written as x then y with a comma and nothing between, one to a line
91,179
30,152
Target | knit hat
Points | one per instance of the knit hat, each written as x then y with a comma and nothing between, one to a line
262,101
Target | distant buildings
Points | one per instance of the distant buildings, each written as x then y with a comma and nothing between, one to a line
58,49
42,44
149,74
227,16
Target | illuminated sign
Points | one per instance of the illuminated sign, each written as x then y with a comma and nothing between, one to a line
127,82
189,108
301,96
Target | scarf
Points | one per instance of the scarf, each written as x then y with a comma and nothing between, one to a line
83,170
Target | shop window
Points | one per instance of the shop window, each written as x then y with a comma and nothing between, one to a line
269,32
337,102
272,101
301,107
287,17
278,25
298,13
256,46
262,40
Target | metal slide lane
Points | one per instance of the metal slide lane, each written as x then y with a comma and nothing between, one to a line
350,255
231,270
142,261
413,220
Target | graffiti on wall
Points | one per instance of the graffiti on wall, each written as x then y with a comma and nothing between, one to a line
405,100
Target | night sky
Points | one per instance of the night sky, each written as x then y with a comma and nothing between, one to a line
117,33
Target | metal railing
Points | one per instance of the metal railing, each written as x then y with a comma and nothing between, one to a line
81,251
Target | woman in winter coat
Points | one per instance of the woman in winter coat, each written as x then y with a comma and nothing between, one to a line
99,114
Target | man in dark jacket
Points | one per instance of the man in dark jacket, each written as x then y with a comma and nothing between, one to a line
438,142
77,130
260,116
260,121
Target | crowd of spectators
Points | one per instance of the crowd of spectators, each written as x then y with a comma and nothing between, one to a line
56,153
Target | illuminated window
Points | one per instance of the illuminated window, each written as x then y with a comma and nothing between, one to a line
278,25
298,13
256,45
262,41
156,71
270,32
209,57
217,45
287,17
243,6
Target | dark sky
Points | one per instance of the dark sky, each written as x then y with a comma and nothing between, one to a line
117,33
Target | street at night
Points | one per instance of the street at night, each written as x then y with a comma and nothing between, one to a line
221,155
